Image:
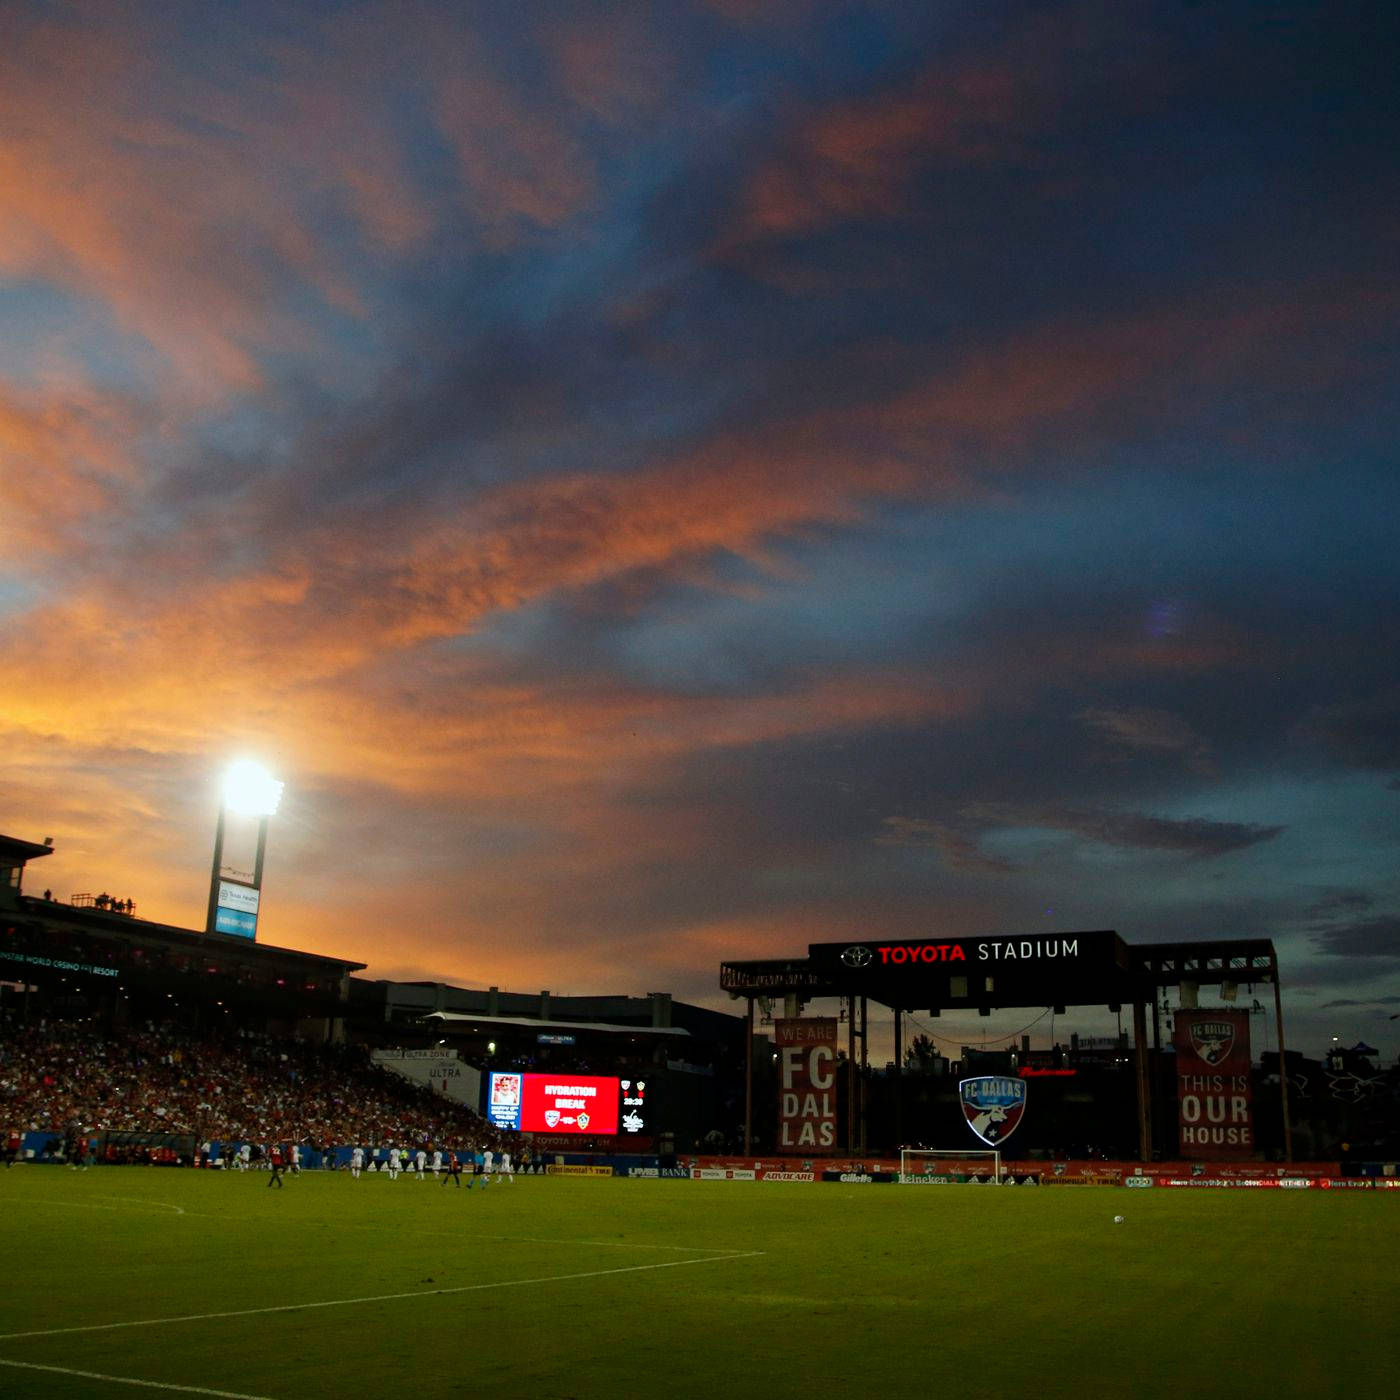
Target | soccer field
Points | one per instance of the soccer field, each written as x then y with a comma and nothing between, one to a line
142,1280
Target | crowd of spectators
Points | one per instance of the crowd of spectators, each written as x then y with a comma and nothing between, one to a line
242,1087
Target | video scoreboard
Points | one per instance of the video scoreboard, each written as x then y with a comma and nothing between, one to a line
567,1103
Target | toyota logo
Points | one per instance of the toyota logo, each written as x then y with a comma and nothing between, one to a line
859,956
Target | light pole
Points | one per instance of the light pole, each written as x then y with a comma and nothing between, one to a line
251,791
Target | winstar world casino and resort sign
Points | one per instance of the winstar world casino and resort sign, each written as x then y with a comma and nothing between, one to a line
1001,970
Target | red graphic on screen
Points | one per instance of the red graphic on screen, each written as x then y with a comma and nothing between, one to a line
568,1103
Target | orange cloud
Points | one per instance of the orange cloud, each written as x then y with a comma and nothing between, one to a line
343,594
199,204
615,71
65,450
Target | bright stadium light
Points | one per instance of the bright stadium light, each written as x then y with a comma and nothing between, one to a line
250,790
234,899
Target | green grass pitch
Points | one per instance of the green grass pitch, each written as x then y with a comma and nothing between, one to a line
124,1281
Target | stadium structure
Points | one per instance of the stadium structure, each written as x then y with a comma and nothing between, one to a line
719,1082
91,956
1055,969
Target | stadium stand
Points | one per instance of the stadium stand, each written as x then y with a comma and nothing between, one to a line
56,1076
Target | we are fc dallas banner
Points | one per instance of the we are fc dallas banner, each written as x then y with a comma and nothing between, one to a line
806,1083
1214,1097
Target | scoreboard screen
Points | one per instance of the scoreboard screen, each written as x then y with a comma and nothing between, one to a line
566,1103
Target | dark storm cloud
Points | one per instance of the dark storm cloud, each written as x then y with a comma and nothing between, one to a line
1360,733
1153,732
1367,938
1341,901
1192,837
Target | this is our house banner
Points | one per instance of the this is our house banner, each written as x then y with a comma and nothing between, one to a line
1215,1100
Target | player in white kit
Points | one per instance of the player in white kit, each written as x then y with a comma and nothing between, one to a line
395,1157
357,1162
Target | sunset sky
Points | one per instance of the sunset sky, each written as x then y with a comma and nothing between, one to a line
675,482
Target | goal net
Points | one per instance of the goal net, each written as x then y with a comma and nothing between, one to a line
918,1164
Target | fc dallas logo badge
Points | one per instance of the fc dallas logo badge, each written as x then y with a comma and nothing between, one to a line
1211,1040
993,1106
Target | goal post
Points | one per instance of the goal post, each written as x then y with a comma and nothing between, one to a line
964,1164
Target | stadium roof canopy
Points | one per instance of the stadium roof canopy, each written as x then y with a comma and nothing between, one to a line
1086,968
105,949
535,1023
14,852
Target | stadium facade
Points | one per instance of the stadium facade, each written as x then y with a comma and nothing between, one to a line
716,1081
91,956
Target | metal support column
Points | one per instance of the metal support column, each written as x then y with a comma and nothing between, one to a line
898,1077
1144,1087
864,1064
851,1087
748,1081
214,873
1282,1069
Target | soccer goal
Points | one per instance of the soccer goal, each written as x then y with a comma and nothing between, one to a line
919,1164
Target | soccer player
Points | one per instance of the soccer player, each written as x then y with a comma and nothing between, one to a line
437,1163
274,1163
395,1157
357,1162
507,1172
296,1159
420,1163
454,1170
489,1157
14,1141
245,1156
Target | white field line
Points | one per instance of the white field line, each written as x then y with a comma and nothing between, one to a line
130,1380
555,1241
378,1297
92,1205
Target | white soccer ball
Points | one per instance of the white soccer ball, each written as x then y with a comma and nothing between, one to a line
1117,1219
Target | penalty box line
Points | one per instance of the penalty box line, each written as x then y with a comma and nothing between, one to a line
129,1380
378,1297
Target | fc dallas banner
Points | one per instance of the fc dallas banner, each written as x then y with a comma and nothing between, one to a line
1215,1102
807,1083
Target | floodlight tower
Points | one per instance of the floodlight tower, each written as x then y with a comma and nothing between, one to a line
250,791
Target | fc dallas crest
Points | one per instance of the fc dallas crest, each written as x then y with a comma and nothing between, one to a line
1211,1040
993,1106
